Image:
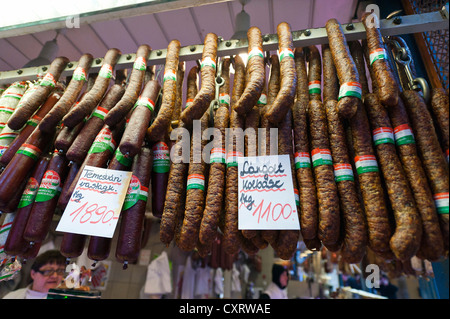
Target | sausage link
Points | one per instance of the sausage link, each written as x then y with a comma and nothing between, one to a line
160,177
30,126
255,71
205,95
14,177
327,193
82,143
440,110
173,211
135,131
432,244
72,245
79,77
379,61
133,214
9,100
314,73
433,160
304,173
160,126
93,97
408,225
44,205
358,56
15,243
350,89
195,192
330,78
216,183
136,80
34,100
288,76
355,233
377,216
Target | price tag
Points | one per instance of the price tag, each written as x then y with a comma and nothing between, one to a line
96,202
266,193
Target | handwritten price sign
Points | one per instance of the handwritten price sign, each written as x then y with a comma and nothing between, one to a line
96,202
266,193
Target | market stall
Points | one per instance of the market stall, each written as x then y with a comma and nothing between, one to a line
197,167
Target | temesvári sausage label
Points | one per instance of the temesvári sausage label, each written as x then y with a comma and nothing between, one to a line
96,202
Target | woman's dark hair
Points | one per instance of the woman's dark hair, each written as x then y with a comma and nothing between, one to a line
48,257
277,270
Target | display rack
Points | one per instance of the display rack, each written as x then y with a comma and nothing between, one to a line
397,25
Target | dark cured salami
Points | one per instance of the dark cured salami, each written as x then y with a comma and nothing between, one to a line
14,177
406,238
35,99
44,205
133,214
91,99
255,71
330,78
160,126
432,246
440,110
377,216
80,146
30,126
234,149
79,77
379,61
304,173
433,159
176,188
15,244
205,95
350,88
195,191
216,184
327,193
288,76
354,225
314,73
129,98
135,131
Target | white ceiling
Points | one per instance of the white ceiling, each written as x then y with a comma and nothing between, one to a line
188,25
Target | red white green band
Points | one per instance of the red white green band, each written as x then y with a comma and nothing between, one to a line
366,164
196,181
343,172
383,135
403,135
217,155
30,151
350,89
377,54
315,87
302,160
441,202
321,157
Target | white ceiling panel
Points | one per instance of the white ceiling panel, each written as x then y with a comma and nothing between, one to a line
189,25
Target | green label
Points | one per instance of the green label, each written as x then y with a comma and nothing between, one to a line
161,159
79,74
48,80
136,191
29,194
148,103
123,159
30,151
140,64
103,142
106,71
217,155
50,186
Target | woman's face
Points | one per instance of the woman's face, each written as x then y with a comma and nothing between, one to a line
284,279
49,276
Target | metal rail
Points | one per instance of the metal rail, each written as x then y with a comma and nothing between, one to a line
399,25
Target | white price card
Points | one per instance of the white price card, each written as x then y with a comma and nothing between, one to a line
266,193
96,202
